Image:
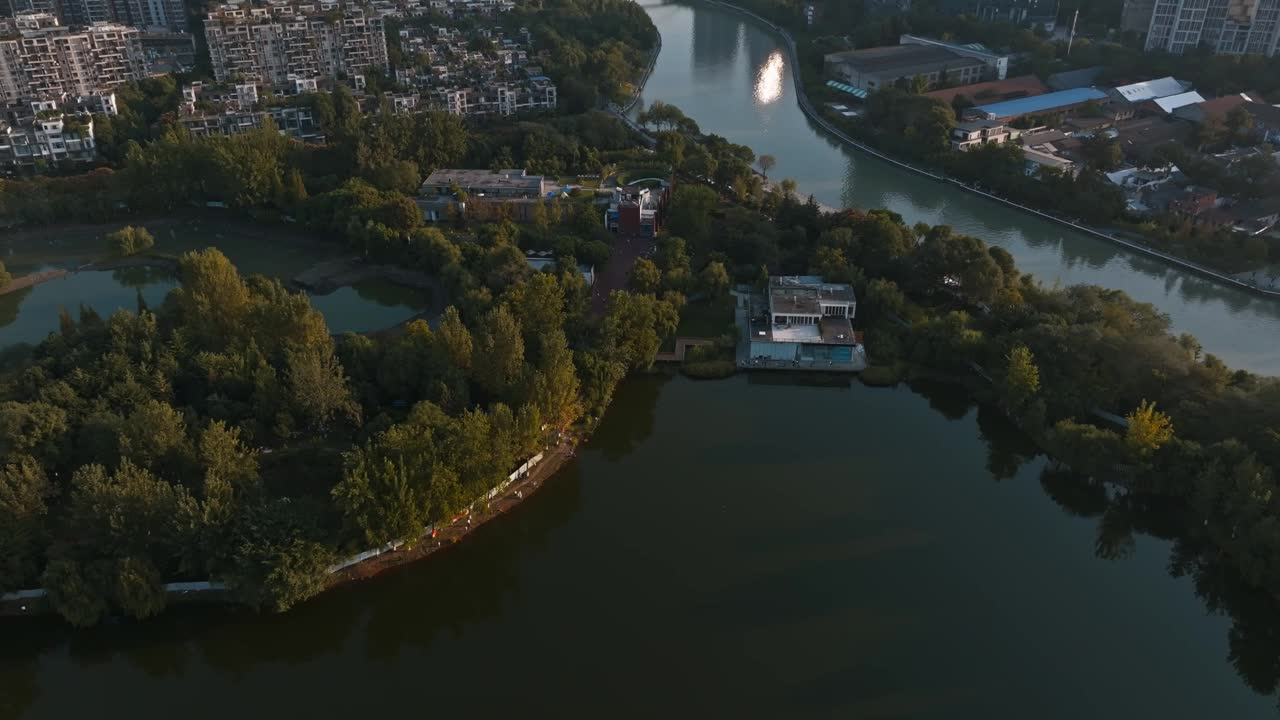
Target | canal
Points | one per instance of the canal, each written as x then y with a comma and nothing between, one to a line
734,78
27,316
739,548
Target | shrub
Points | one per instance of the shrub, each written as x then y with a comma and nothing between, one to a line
882,375
129,240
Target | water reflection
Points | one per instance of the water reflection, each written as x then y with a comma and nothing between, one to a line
690,537
768,87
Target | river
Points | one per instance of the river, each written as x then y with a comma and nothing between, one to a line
27,316
734,78
740,548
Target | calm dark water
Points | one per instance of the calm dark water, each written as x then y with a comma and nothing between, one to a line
28,316
725,549
733,77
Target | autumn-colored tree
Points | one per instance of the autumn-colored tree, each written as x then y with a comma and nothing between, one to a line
1022,377
1149,428
645,276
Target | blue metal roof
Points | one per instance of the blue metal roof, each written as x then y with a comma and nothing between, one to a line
856,92
1041,103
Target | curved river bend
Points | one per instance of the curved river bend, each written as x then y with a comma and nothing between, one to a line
734,77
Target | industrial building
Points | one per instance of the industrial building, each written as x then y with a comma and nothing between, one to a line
877,68
997,64
1058,102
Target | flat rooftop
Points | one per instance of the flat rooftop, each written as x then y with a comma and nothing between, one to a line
835,292
464,178
893,57
829,331
1023,86
1040,103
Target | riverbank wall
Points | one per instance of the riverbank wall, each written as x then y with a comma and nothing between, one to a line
518,487
807,107
644,79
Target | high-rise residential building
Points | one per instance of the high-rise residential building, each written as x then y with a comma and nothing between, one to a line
77,13
1227,27
52,7
168,14
48,60
274,44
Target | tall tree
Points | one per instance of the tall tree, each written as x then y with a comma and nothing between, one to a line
1149,428
766,163
499,354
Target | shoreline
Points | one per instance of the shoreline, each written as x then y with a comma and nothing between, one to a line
33,279
806,107
34,603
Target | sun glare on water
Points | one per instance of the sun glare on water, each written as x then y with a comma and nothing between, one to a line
769,79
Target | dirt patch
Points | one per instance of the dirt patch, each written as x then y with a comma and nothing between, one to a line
31,280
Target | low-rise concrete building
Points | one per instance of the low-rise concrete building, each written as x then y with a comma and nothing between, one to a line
976,133
487,194
997,64
1064,101
38,136
809,323
639,209
877,68
513,183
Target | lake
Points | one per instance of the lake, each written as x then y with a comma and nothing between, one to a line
751,547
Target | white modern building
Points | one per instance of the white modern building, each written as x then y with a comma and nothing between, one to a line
809,325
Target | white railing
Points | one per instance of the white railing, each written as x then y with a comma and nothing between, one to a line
183,588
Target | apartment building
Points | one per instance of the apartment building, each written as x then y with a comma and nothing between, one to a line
39,134
49,60
1227,27
218,109
483,71
274,44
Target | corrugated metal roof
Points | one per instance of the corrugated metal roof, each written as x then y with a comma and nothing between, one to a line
856,92
1151,89
1173,102
1040,103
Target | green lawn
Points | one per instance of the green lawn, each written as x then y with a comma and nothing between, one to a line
707,318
